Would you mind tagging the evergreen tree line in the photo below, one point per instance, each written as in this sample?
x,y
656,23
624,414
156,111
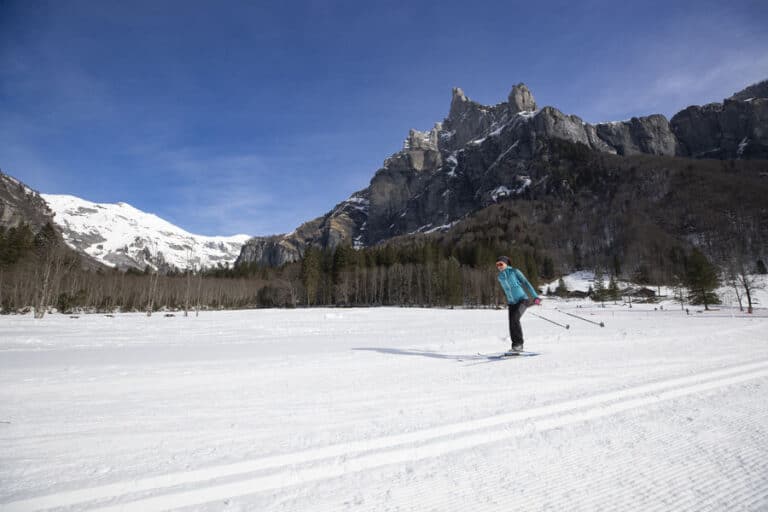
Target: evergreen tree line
x,y
414,273
38,271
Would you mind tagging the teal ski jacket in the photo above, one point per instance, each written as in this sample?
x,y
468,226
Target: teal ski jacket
x,y
512,281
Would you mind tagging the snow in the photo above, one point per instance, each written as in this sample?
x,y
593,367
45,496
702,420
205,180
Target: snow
x,y
354,202
582,280
104,231
451,164
384,409
17,183
525,182
359,200
431,228
577,281
442,227
499,192
357,242
497,131
742,146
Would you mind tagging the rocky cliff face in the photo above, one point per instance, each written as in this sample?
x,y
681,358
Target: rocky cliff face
x,y
754,91
736,128
651,135
19,203
479,155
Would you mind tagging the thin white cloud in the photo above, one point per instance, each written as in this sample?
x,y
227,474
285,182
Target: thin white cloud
x,y
698,60
220,193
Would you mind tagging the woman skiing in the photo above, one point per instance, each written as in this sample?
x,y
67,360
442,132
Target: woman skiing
x,y
512,282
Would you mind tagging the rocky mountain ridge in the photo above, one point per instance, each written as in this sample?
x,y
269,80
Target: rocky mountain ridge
x,y
20,204
480,155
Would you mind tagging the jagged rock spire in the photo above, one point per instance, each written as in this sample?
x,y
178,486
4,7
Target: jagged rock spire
x,y
521,99
459,103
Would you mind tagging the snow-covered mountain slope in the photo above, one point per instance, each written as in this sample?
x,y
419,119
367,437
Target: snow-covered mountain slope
x,y
122,236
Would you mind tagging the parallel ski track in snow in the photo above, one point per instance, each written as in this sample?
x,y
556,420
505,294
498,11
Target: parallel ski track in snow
x,y
337,460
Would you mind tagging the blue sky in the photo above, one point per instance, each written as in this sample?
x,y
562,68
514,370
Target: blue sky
x,y
252,117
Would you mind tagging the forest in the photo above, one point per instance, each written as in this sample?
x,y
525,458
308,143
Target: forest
x,y
39,273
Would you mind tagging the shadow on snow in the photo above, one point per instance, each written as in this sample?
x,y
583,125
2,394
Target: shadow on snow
x,y
422,353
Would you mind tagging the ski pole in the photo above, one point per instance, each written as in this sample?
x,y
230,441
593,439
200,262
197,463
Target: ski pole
x,y
566,326
601,324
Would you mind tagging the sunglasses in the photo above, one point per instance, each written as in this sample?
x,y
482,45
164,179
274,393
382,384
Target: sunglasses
x,y
500,264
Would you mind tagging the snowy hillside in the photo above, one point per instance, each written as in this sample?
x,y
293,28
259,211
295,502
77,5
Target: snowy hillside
x,y
123,236
385,409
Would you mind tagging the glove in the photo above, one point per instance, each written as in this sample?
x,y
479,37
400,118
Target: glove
x,y
537,301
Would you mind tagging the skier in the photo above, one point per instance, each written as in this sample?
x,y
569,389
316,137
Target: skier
x,y
512,281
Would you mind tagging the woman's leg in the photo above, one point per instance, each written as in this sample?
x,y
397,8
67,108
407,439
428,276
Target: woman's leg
x,y
515,329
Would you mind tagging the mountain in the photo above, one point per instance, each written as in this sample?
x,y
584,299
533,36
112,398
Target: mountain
x,y
122,236
480,155
20,204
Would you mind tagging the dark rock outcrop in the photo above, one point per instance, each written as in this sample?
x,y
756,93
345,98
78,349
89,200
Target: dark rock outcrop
x,y
650,135
20,204
732,129
754,91
345,224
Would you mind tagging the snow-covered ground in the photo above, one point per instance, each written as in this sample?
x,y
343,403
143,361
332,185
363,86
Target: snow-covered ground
x,y
583,280
385,409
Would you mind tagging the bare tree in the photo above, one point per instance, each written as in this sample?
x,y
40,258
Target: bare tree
x,y
188,279
748,282
50,261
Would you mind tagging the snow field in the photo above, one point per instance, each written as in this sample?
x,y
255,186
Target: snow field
x,y
384,409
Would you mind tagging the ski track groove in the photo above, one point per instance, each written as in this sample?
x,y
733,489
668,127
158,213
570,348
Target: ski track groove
x,y
621,499
362,455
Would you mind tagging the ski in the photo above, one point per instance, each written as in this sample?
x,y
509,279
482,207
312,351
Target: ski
x,y
506,355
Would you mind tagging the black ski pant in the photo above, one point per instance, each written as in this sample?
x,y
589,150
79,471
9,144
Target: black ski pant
x,y
515,314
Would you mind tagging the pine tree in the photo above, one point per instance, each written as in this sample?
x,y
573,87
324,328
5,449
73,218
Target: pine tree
x,y
562,289
701,280
577,260
598,292
342,259
531,269
613,289
453,283
616,265
310,273
547,268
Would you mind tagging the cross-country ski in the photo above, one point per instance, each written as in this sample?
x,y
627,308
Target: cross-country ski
x,y
510,354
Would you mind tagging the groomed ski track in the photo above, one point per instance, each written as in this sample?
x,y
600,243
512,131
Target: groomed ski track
x,y
692,440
